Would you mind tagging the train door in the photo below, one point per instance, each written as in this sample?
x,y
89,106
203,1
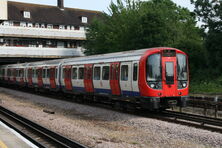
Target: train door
x,y
135,73
34,77
78,79
97,78
30,76
39,77
114,78
53,77
22,79
67,77
105,82
169,76
126,78
17,78
88,72
57,76
14,74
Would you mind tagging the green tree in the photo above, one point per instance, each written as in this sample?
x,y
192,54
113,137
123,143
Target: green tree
x,y
210,13
134,25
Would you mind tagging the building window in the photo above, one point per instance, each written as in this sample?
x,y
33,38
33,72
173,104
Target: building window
x,y
6,23
81,28
37,25
11,23
50,26
23,24
84,19
68,28
42,25
30,25
61,27
26,14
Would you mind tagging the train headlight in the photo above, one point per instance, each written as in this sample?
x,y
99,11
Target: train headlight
x,y
184,84
155,85
152,85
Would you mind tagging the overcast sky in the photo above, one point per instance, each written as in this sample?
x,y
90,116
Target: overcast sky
x,y
100,5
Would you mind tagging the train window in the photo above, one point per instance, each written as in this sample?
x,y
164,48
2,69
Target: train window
x,y
96,75
63,72
182,73
33,73
56,73
47,73
43,73
135,71
105,73
74,73
81,73
169,73
153,68
17,73
124,72
36,73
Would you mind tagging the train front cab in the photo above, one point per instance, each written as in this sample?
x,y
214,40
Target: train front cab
x,y
164,80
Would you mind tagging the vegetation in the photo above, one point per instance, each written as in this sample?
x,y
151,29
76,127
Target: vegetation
x,y
131,25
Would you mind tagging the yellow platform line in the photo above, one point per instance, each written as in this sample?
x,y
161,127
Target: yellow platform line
x,y
2,145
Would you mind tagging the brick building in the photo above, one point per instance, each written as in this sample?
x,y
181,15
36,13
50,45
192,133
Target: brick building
x,y
33,30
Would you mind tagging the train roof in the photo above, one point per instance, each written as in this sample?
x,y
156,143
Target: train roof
x,y
132,55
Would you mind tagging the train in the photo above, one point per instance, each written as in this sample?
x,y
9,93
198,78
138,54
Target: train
x,y
151,78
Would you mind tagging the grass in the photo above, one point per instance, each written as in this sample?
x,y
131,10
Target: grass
x,y
213,86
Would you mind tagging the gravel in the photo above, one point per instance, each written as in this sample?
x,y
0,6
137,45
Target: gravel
x,y
104,128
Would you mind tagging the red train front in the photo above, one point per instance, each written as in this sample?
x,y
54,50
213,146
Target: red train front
x,y
164,81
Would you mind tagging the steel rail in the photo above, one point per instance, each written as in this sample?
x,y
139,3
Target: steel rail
x,y
195,118
32,140
59,140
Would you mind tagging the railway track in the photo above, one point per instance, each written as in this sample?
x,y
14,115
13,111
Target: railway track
x,y
199,121
207,122
51,139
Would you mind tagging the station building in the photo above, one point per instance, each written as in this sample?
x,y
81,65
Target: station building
x,y
42,31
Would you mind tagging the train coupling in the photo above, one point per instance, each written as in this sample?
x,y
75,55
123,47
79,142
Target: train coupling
x,y
172,103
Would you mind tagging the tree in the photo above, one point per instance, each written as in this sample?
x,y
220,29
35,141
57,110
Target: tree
x,y
210,13
134,25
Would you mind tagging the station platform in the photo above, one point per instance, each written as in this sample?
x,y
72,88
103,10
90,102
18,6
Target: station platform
x,y
9,138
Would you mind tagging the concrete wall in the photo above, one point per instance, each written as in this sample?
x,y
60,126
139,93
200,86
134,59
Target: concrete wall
x,y
39,52
3,10
41,33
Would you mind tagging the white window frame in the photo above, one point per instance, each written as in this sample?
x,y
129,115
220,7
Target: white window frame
x,y
26,14
42,25
30,25
68,27
23,24
6,23
11,23
61,27
81,28
37,25
84,19
49,26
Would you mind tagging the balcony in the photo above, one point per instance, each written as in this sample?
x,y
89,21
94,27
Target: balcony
x,y
37,52
29,32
